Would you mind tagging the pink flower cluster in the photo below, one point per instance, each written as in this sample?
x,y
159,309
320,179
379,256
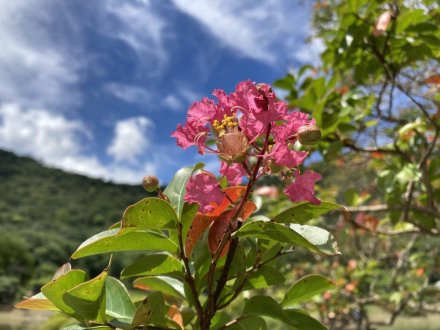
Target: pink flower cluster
x,y
240,123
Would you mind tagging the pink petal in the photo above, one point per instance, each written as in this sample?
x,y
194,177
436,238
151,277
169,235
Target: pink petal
x,y
233,172
284,156
302,189
200,113
191,135
204,189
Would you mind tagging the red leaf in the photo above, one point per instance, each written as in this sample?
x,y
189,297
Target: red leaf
x,y
434,79
200,223
217,231
234,194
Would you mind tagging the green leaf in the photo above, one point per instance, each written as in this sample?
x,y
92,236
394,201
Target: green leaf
x,y
175,191
264,277
153,264
408,173
283,234
319,237
267,306
301,320
37,302
250,322
118,302
152,213
88,299
54,290
305,288
80,327
151,311
165,284
128,239
303,212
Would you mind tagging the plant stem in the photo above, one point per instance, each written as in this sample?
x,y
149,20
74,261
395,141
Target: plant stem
x,y
211,304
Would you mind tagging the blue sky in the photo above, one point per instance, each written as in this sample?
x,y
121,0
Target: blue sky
x,y
97,87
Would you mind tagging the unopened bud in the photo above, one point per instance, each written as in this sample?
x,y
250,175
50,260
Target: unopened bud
x,y
309,134
382,23
150,183
233,147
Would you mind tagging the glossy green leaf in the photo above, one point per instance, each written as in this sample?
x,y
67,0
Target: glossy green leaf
x,y
128,239
303,212
118,302
264,277
150,311
153,264
37,302
55,290
249,322
319,237
175,191
88,299
151,213
305,288
165,284
295,319
299,319
283,234
80,327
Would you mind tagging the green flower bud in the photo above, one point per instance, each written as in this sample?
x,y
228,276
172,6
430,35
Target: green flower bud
x,y
150,183
309,134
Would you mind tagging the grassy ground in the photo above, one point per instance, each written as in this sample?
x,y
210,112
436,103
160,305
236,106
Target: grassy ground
x,y
430,322
17,319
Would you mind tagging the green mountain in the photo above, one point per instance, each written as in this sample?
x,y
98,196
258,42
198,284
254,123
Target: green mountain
x,y
45,214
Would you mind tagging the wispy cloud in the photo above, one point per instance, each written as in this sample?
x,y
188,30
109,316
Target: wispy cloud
x,y
36,67
138,24
129,93
267,31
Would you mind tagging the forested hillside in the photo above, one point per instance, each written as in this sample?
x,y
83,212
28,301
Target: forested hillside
x,y
44,214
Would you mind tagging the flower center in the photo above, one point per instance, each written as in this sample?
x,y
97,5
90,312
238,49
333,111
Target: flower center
x,y
226,125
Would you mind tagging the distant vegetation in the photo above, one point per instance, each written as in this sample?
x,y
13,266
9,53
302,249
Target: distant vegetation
x,y
44,214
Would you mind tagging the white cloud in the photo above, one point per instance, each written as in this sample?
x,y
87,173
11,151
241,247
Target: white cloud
x,y
138,24
130,139
37,68
173,102
267,31
58,141
129,93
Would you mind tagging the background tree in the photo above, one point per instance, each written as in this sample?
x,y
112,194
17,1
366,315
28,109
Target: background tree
x,y
376,98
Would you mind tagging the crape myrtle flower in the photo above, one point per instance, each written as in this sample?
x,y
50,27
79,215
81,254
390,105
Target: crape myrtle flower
x,y
204,189
302,189
235,127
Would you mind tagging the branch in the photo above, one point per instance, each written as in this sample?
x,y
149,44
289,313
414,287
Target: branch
x,y
188,276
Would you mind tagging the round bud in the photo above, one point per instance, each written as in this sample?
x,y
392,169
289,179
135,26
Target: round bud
x,y
233,147
309,134
150,183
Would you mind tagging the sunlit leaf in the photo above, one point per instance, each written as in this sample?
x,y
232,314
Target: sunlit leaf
x,y
166,285
151,213
128,239
303,212
305,288
159,263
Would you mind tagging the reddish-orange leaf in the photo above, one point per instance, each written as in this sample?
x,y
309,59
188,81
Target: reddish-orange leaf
x,y
234,194
434,79
248,208
200,223
37,302
217,231
174,314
